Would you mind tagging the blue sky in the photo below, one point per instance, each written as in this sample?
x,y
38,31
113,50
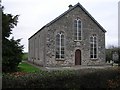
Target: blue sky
x,y
36,13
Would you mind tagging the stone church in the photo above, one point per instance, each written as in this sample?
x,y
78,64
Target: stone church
x,y
73,38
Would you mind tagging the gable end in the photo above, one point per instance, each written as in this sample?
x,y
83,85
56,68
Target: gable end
x,y
70,9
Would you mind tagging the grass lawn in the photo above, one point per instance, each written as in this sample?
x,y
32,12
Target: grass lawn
x,y
25,67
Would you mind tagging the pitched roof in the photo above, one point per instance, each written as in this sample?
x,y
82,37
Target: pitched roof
x,y
77,5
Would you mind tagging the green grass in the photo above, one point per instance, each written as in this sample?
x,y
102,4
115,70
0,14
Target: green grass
x,y
25,67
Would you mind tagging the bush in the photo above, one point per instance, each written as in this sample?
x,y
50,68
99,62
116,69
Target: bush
x,y
11,49
12,55
109,53
64,79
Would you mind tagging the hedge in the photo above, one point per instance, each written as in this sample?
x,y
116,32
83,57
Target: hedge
x,y
65,79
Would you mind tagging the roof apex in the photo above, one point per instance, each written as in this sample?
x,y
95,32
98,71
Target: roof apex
x,y
78,4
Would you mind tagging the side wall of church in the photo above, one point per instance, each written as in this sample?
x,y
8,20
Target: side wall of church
x,y
37,48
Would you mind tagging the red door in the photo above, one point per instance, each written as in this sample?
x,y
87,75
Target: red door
x,y
77,57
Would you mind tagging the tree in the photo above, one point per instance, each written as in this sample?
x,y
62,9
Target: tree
x,y
110,51
11,49
108,55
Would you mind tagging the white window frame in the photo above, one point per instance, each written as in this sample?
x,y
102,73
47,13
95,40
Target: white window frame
x,y
60,46
77,31
93,43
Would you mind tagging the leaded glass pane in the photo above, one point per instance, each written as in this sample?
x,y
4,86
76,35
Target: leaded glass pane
x,y
95,56
91,39
62,49
62,55
75,23
57,56
79,37
62,52
62,42
91,56
79,23
95,51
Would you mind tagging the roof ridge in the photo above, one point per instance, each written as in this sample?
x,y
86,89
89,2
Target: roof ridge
x,y
78,4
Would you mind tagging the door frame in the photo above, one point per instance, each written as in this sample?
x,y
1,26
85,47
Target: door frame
x,y
79,62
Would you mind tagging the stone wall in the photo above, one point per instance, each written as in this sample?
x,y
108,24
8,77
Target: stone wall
x,y
37,48
65,24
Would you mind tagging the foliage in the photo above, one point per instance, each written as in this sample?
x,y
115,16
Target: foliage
x,y
24,67
110,51
25,56
8,23
108,55
11,49
78,79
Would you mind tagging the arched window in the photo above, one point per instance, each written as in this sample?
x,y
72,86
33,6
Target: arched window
x,y
93,47
60,47
77,29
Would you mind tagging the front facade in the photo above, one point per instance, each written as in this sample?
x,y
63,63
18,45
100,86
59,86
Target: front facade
x,y
73,38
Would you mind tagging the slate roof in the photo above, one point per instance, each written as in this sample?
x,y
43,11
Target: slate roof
x,y
77,5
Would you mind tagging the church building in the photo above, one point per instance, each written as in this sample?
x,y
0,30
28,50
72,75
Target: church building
x,y
73,38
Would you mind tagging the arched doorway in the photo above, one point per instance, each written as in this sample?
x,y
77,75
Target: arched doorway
x,y
78,57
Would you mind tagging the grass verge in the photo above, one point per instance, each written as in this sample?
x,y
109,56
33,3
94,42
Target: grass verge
x,y
25,67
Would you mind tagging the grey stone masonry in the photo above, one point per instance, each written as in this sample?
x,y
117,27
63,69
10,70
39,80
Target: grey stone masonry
x,y
42,45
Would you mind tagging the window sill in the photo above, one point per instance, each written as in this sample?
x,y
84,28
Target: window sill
x,y
77,40
60,59
94,59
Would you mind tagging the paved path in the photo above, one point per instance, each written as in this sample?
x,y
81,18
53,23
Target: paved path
x,y
77,67
69,68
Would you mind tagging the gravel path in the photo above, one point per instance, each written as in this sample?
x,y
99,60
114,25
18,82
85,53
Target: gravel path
x,y
69,68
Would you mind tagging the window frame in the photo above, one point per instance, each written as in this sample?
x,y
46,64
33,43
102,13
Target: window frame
x,y
77,30
94,44
59,46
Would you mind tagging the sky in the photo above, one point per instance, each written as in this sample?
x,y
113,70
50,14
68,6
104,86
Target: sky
x,y
34,14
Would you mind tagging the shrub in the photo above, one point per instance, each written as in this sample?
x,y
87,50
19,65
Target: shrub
x,y
89,78
11,49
